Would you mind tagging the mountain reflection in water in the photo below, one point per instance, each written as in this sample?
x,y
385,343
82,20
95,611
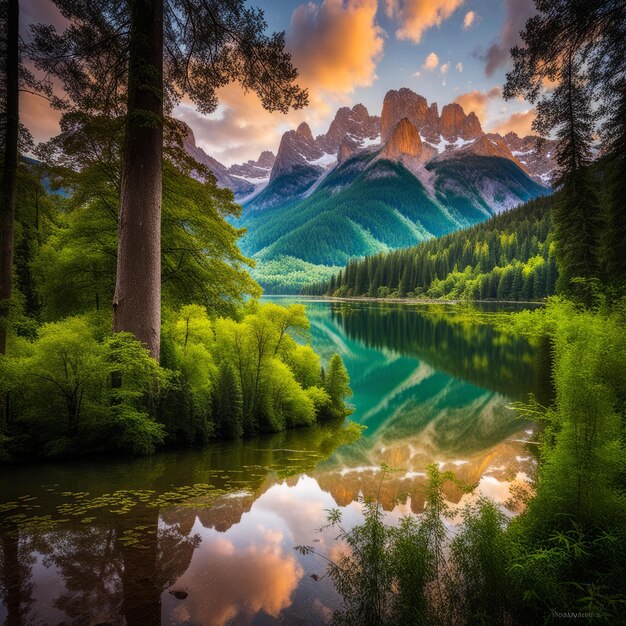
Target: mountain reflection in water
x,y
122,541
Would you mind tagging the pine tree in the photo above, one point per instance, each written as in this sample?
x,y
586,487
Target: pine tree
x,y
228,402
337,383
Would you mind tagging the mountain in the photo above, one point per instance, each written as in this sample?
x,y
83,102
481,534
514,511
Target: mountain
x,y
537,160
243,179
372,184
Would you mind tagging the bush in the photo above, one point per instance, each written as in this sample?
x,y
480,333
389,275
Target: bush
x,y
61,397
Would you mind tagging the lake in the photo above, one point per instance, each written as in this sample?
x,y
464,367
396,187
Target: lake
x,y
207,536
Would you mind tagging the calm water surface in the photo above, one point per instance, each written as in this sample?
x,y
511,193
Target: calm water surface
x,y
116,542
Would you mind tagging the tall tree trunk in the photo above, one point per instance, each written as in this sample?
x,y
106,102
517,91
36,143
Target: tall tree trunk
x,y
9,170
137,301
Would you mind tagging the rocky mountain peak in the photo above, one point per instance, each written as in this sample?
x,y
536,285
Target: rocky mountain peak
x,y
347,148
305,131
355,122
453,123
406,103
255,171
297,148
404,139
266,159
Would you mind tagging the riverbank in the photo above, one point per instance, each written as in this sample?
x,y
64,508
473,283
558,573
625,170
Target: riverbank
x,y
403,300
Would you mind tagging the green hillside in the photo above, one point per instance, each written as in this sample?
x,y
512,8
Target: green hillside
x,y
508,257
364,208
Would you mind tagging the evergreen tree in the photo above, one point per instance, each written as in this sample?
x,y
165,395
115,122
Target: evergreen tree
x,y
579,47
228,402
337,384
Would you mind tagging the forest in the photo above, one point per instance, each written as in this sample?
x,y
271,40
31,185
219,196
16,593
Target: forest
x,y
187,353
511,256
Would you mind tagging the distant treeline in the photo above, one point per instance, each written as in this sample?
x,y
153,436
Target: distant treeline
x,y
509,257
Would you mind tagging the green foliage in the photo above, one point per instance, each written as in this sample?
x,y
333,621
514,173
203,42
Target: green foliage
x,y
78,389
75,269
570,542
479,584
337,383
228,402
61,400
509,257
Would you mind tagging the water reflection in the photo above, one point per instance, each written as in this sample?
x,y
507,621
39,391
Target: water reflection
x,y
206,536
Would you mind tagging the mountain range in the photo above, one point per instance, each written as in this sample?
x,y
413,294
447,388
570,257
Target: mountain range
x,y
374,183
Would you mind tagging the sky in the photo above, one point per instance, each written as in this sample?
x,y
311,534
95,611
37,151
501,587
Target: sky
x,y
349,52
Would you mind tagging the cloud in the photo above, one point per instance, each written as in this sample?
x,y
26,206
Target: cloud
x,y
417,74
335,45
478,101
36,114
519,123
444,68
416,16
459,67
517,13
469,19
431,62
241,128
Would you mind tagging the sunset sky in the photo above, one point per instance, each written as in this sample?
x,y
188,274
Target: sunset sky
x,y
350,51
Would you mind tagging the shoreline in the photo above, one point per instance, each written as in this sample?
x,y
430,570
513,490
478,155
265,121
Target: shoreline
x,y
403,300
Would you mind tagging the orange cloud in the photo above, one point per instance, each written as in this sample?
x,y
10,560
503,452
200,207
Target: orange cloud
x,y
38,117
431,62
469,19
239,130
478,101
335,45
417,16
520,123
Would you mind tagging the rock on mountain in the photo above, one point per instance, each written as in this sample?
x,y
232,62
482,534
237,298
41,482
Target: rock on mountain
x,y
406,103
453,123
239,186
258,170
302,160
404,139
297,150
356,124
537,158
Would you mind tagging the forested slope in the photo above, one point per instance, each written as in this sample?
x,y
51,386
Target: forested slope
x,y
509,257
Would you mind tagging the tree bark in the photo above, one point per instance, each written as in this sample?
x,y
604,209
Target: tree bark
x,y
9,170
137,300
